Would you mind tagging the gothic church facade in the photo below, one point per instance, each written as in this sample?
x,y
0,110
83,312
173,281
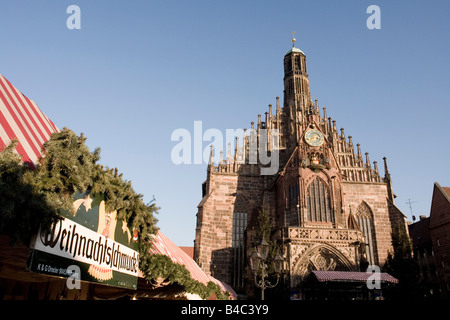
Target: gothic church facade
x,y
330,208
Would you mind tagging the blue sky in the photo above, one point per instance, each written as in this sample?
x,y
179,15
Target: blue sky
x,y
138,70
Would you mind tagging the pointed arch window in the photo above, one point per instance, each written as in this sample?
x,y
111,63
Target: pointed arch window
x,y
364,217
318,202
298,65
238,243
293,195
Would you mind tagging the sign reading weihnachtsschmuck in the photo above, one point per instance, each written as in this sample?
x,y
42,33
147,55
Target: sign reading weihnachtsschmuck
x,y
103,248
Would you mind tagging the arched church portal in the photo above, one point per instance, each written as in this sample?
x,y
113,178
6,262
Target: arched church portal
x,y
323,257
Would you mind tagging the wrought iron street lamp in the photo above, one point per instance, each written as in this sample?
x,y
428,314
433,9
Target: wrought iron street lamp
x,y
259,266
359,252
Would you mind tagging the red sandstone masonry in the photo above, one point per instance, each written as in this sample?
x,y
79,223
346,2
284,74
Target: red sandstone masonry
x,y
216,219
375,196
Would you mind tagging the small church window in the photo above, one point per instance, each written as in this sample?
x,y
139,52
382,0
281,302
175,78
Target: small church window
x,y
297,63
293,195
287,65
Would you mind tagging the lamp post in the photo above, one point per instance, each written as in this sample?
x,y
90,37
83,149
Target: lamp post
x,y
356,244
358,253
258,266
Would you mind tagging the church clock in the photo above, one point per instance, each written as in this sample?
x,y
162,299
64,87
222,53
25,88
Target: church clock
x,y
314,137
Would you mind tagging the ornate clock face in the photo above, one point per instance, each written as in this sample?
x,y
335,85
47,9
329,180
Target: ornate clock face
x,y
314,137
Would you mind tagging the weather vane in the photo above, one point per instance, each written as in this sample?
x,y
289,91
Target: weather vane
x,y
293,39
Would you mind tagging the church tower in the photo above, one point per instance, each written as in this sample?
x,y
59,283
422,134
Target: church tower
x,y
297,97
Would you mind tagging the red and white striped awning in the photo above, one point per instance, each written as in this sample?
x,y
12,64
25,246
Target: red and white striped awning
x,y
22,119
163,245
353,276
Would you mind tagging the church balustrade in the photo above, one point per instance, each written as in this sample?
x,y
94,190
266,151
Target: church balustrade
x,y
323,235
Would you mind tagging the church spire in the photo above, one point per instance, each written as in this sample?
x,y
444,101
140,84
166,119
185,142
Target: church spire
x,y
388,181
296,83
297,98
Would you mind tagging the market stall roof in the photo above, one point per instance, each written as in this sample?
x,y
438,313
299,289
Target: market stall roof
x,y
22,119
163,245
352,276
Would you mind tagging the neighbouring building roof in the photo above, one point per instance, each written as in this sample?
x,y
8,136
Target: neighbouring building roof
x,y
440,206
420,232
447,190
189,251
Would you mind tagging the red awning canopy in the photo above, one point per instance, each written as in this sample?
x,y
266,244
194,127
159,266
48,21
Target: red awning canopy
x,y
21,119
163,245
352,276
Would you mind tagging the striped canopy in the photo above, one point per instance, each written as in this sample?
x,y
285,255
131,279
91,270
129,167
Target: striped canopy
x,y
162,245
352,276
22,119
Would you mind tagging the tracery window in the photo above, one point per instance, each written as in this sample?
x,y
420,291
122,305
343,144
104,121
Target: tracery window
x,y
238,245
287,65
293,195
298,65
364,218
318,202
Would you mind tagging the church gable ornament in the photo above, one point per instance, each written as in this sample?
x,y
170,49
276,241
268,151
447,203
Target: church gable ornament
x,y
315,153
314,137
323,262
